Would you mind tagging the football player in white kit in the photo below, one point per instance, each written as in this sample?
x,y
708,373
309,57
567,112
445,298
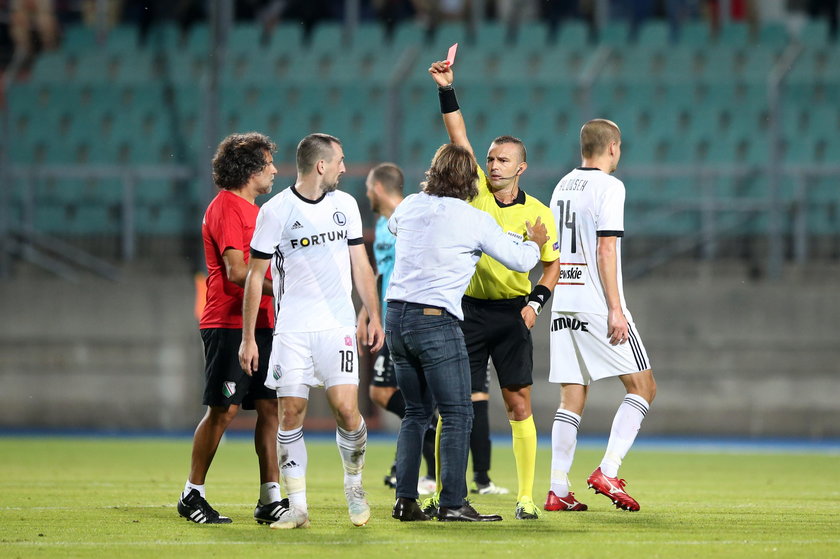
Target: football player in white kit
x,y
592,333
311,234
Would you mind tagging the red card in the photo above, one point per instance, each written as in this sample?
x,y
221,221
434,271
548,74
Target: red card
x,y
450,57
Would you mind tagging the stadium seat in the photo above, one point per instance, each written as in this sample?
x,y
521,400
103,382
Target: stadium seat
x,y
814,32
285,38
773,35
655,33
733,34
531,37
123,40
695,34
79,38
614,33
575,34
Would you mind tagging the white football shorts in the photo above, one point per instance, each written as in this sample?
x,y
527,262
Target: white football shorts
x,y
581,351
301,360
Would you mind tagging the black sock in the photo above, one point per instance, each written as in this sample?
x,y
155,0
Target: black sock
x,y
429,451
480,442
396,404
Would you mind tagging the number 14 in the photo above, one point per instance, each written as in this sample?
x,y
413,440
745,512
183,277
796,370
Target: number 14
x,y
567,219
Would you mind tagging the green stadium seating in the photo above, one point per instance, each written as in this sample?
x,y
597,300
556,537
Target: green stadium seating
x,y
702,101
695,34
615,33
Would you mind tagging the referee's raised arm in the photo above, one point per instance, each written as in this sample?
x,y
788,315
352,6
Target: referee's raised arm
x,y
443,75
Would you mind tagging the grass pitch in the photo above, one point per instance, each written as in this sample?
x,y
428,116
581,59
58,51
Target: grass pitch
x,y
78,497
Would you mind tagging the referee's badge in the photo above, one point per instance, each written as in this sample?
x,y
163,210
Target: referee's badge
x,y
229,389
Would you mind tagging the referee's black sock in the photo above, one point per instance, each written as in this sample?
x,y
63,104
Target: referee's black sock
x,y
396,404
480,442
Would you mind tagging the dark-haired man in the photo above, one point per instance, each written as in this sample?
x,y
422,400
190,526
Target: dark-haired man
x,y
243,168
500,307
311,234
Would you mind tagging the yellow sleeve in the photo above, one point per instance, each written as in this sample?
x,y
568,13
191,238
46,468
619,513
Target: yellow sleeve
x,y
481,184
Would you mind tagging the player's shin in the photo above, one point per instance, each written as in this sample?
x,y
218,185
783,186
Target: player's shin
x,y
525,453
625,427
563,443
292,455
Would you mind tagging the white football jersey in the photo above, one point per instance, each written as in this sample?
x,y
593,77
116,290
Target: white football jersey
x,y
587,204
310,260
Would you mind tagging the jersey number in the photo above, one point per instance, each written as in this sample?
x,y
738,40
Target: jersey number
x,y
346,360
568,219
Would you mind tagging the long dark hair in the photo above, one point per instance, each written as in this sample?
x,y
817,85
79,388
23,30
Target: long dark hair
x,y
239,157
453,173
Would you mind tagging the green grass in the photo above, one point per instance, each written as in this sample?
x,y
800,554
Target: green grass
x,y
68,497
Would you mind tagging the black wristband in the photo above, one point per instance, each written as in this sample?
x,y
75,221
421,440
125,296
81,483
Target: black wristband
x,y
540,295
448,100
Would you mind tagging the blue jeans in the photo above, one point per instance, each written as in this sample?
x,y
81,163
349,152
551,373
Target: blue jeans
x,y
432,367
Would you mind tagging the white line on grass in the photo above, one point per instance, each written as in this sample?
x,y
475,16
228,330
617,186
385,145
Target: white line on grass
x,y
392,542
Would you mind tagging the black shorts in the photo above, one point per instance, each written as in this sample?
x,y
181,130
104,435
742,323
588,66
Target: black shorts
x,y
495,330
383,369
225,382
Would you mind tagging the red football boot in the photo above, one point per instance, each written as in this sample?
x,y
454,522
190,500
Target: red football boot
x,y
568,503
613,488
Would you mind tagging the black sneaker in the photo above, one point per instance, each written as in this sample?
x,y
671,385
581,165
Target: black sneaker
x,y
391,477
194,508
266,514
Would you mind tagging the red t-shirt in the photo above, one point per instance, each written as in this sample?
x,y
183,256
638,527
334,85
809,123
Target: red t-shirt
x,y
228,223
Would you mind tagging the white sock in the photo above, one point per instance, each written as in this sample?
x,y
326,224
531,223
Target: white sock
x,y
563,443
351,447
625,426
291,453
190,486
269,492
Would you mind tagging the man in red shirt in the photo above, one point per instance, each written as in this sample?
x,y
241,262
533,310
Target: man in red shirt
x,y
243,169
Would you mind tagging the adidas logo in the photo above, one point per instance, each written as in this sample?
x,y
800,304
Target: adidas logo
x,y
297,225
289,464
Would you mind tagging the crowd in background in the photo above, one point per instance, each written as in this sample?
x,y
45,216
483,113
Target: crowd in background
x,y
30,26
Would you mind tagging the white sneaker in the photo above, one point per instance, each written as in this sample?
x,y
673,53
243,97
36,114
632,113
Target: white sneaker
x,y
426,485
489,489
357,505
292,517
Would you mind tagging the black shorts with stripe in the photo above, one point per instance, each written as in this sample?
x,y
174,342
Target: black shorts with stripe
x,y
225,383
494,329
383,369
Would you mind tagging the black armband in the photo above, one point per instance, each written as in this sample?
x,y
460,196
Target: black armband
x,y
539,296
448,100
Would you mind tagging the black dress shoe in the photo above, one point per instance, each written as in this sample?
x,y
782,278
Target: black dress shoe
x,y
407,510
465,513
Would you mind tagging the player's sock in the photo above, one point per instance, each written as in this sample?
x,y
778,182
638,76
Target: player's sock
x,y
269,492
563,442
525,454
625,427
190,486
351,447
291,453
429,451
396,404
480,442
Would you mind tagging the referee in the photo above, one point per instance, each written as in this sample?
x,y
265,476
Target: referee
x,y
500,306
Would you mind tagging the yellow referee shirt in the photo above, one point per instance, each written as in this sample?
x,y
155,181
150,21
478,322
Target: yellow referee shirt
x,y
492,280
